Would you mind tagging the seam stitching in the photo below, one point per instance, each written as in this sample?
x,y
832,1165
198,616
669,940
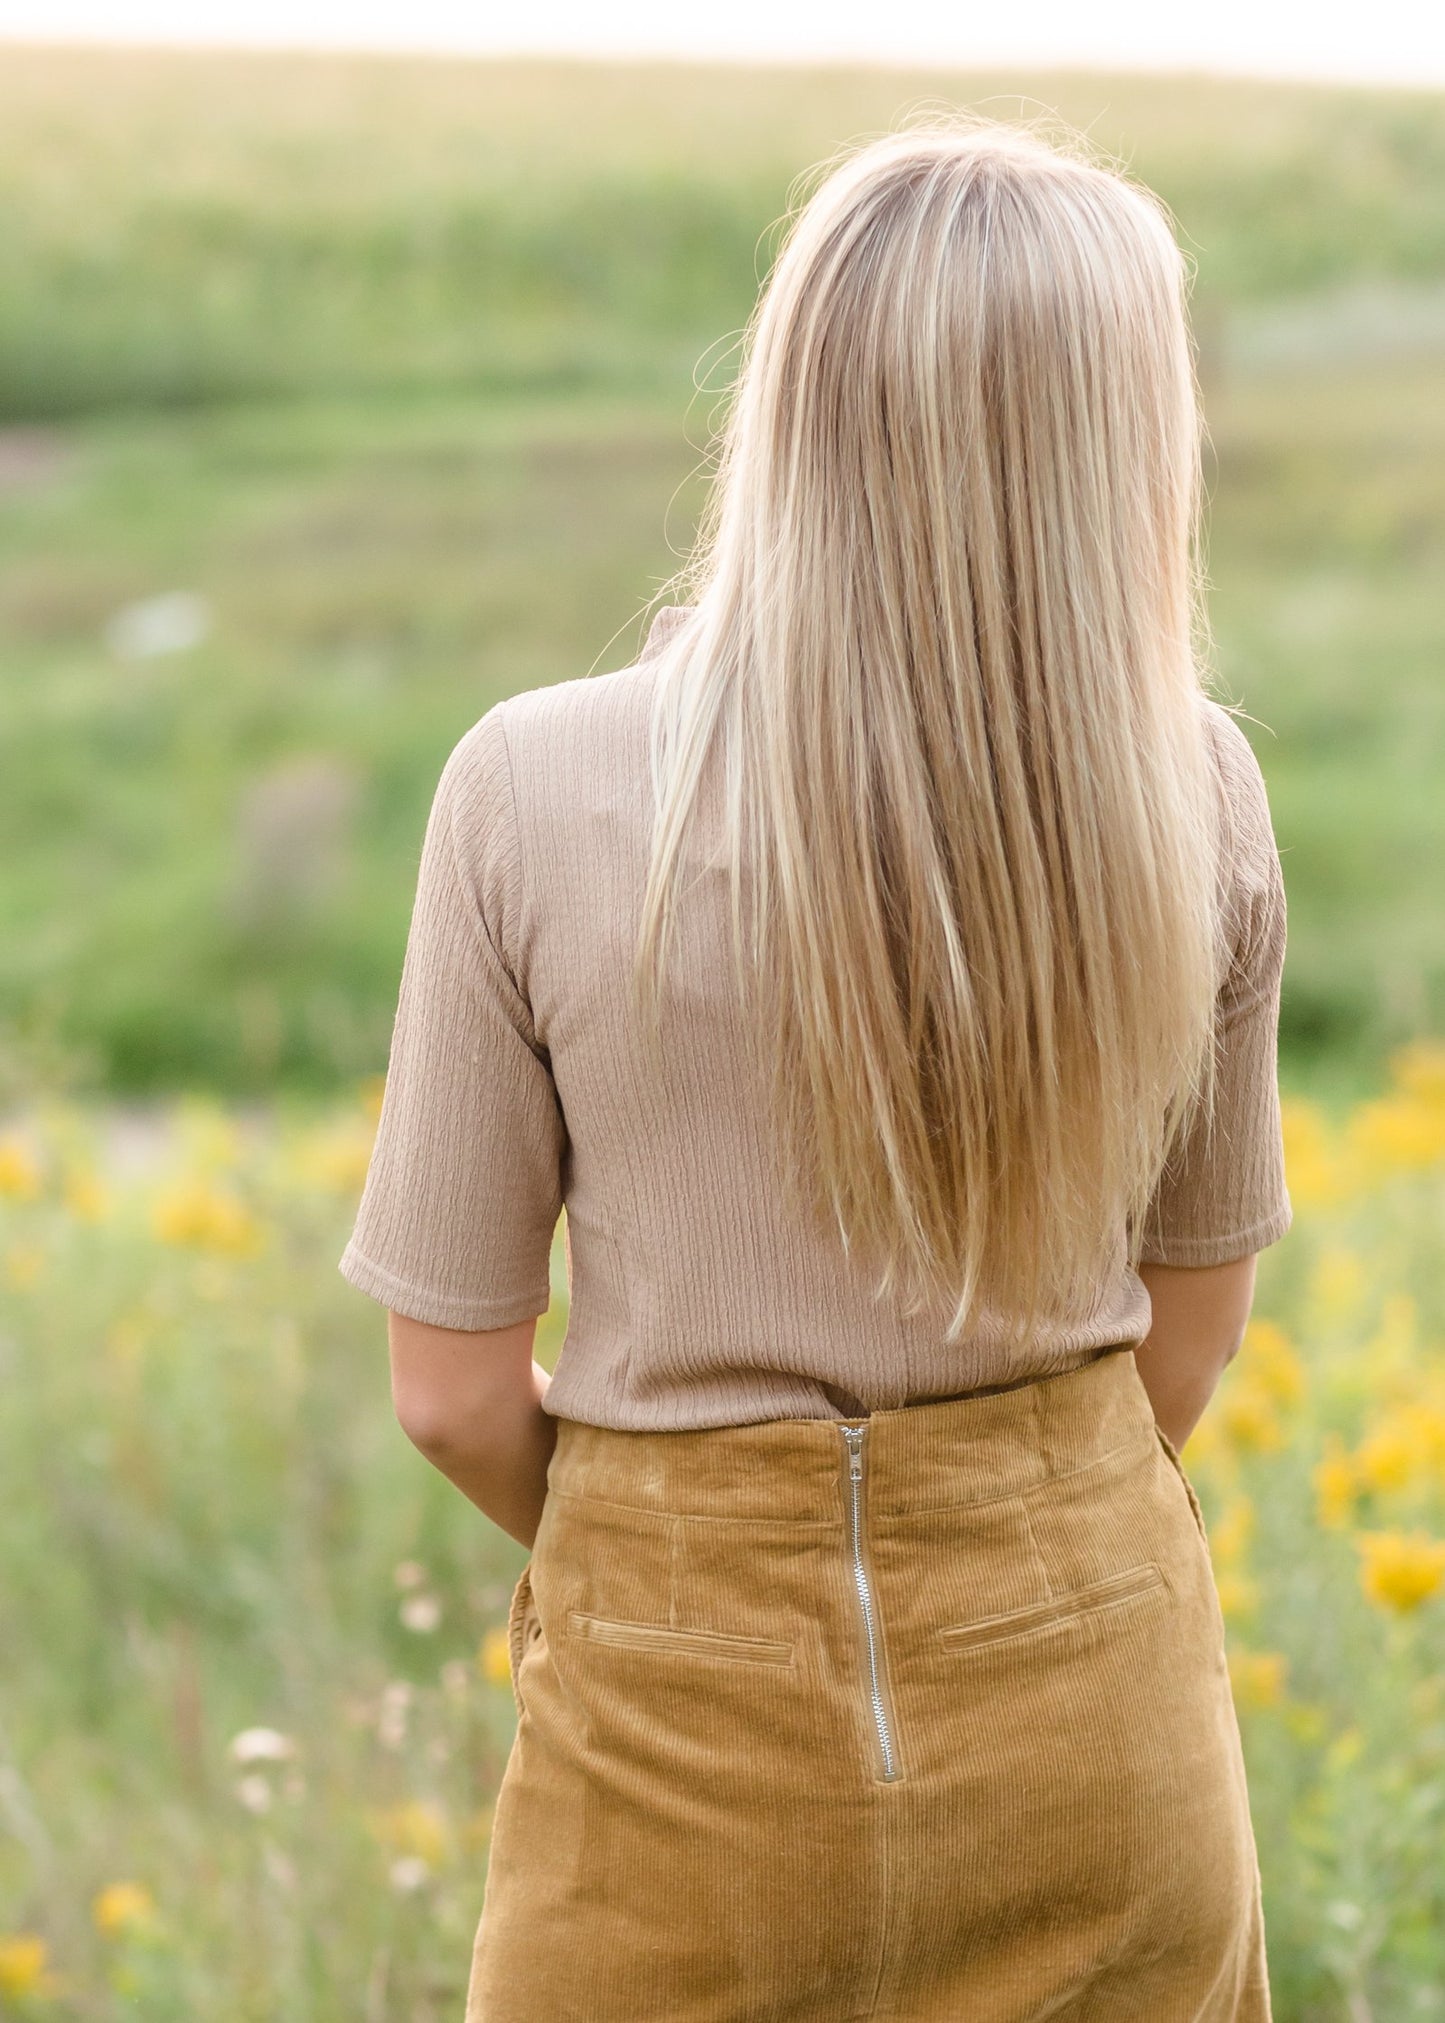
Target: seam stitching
x,y
717,1644
1074,1602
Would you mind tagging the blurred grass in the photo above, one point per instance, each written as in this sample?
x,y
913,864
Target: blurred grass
x,y
256,1686
214,1528
376,577
185,226
393,363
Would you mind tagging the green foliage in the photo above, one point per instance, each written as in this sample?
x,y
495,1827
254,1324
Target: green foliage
x,y
393,364
214,1527
182,227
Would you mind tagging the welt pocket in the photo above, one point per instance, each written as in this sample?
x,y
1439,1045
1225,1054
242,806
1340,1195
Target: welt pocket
x,y
1110,1593
681,1642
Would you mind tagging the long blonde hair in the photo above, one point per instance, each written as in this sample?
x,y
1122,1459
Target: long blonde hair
x,y
945,627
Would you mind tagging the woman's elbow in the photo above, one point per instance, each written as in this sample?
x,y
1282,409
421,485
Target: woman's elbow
x,y
427,1420
450,1386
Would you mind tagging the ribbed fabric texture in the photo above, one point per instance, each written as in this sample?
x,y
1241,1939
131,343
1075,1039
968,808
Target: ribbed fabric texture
x,y
517,1082
953,1744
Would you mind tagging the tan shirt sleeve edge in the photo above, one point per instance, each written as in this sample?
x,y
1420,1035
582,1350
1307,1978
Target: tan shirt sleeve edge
x,y
1207,1250
438,1309
463,1188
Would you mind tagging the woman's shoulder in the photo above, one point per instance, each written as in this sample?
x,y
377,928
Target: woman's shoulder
x,y
1246,795
534,765
1258,909
544,725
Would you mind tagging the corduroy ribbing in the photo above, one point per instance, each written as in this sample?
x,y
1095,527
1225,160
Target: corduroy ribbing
x,y
955,1741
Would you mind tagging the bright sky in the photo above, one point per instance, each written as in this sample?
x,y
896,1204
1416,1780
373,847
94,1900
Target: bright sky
x,y
1384,41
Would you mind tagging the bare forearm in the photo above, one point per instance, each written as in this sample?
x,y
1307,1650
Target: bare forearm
x,y
1180,1384
1199,1318
500,1464
471,1402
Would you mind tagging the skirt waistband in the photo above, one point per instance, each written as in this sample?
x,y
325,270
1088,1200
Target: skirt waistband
x,y
952,1451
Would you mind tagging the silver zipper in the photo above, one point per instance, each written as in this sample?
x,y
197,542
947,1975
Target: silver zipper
x,y
853,1439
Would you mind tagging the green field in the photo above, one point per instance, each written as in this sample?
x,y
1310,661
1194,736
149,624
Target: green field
x,y
213,1527
394,364
400,376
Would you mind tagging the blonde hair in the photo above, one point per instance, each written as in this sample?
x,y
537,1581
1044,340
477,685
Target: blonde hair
x,y
945,632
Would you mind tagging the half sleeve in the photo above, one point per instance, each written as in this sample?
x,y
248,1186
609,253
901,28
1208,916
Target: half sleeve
x,y
463,1189
1223,1194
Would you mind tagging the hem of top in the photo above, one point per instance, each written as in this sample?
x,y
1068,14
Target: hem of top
x,y
436,1309
1206,1250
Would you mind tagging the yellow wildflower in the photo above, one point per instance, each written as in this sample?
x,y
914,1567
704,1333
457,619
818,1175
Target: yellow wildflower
x,y
23,1964
336,1158
1398,1451
19,1169
1247,1412
203,1217
86,1196
1334,1485
1396,1134
1400,1570
1232,1530
1313,1166
1418,1070
1430,1424
1205,1451
494,1660
1238,1593
121,1907
415,1828
1272,1362
1258,1677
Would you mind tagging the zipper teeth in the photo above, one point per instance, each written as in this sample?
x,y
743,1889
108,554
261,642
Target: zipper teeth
x,y
853,1436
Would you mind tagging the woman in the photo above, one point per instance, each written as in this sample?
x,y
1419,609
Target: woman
x,y
884,971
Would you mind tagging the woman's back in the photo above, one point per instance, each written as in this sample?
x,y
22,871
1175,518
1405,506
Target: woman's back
x,y
519,1082
903,920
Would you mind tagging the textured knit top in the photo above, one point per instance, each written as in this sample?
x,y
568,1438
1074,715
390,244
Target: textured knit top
x,y
517,1085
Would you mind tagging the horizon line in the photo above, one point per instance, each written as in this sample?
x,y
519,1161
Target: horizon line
x,y
439,51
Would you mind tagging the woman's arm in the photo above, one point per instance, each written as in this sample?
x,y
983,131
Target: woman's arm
x,y
471,1402
1200,1314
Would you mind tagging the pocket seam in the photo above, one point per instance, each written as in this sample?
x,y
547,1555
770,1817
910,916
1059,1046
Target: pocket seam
x,y
1131,1585
661,1637
1171,1454
522,1624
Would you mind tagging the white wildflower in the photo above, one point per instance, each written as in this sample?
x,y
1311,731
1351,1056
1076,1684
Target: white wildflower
x,y
168,624
254,1792
421,1613
262,1745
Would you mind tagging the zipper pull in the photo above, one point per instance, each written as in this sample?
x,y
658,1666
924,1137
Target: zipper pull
x,y
854,1436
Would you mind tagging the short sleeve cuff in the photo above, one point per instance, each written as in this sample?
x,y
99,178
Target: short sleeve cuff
x,y
1205,1250
438,1309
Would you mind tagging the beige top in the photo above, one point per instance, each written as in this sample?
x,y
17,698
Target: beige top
x,y
517,1084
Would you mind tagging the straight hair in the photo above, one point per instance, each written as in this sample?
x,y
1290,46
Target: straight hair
x,y
944,633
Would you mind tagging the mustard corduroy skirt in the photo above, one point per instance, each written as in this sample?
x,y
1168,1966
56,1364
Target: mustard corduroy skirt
x,y
919,1718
